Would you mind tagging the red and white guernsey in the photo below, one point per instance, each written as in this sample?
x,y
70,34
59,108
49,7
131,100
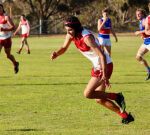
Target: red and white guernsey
x,y
24,26
87,51
148,18
4,24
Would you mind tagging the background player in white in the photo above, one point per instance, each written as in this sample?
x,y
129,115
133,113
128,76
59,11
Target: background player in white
x,y
102,69
6,26
25,28
104,29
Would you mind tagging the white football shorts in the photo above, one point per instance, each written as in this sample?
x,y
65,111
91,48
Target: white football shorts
x,y
104,41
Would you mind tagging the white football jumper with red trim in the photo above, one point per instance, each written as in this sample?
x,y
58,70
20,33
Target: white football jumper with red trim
x,y
24,27
4,24
88,52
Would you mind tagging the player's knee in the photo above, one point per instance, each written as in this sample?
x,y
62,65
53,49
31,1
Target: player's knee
x,y
7,55
87,94
138,58
100,101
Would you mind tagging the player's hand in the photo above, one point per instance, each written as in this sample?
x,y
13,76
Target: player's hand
x,y
137,33
107,84
105,19
54,55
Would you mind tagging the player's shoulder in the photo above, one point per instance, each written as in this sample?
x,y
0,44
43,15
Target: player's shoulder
x,y
6,17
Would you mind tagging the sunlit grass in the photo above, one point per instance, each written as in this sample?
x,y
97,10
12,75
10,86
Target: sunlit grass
x,y
46,97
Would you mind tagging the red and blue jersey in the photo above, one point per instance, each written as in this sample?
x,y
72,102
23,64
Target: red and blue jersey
x,y
105,31
144,36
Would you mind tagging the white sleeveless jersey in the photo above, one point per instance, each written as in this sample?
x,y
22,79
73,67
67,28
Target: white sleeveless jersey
x,y
88,52
24,28
4,24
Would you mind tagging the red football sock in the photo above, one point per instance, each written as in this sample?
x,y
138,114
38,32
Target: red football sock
x,y
112,96
123,115
20,49
14,64
28,50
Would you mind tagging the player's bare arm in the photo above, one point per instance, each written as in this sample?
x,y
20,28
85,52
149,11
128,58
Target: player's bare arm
x,y
113,33
101,24
28,25
10,23
137,33
17,30
89,40
63,48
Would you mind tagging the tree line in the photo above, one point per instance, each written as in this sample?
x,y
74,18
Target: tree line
x,y
50,13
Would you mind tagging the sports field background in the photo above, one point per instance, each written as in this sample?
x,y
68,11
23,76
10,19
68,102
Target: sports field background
x,y
46,97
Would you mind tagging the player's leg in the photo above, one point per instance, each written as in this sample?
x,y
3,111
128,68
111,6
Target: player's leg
x,y
126,118
108,46
27,45
1,48
101,41
106,102
96,89
92,92
143,50
108,50
12,59
21,45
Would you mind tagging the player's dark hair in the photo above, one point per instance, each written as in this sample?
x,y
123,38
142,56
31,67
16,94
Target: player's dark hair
x,y
105,10
2,8
142,11
23,15
74,23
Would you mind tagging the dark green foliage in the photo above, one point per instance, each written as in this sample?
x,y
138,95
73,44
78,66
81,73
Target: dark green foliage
x,y
137,3
125,7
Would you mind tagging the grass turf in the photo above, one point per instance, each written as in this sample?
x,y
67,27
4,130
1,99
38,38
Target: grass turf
x,y
46,97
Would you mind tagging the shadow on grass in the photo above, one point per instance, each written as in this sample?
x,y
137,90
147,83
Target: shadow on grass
x,y
25,130
130,82
22,84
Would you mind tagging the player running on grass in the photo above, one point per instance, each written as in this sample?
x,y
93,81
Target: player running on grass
x,y
25,27
104,28
6,26
145,47
102,69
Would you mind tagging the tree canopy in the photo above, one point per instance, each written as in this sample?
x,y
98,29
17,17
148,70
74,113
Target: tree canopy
x,y
51,12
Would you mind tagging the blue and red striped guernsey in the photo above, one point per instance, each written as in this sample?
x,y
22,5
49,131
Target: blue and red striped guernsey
x,y
105,31
142,27
144,36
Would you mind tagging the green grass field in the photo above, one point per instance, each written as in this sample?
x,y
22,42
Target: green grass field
x,y
46,97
